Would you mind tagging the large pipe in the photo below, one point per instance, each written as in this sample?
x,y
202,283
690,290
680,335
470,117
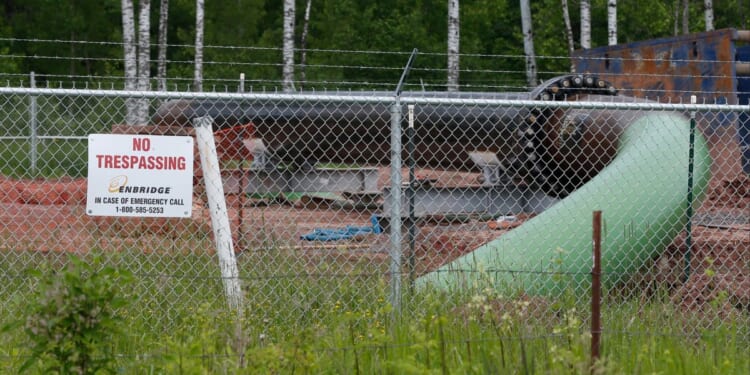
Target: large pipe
x,y
355,132
526,141
642,194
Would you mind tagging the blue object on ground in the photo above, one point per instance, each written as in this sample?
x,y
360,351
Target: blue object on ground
x,y
342,233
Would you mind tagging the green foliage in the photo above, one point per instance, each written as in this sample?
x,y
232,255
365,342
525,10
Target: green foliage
x,y
491,39
71,319
200,338
55,158
339,325
51,20
58,116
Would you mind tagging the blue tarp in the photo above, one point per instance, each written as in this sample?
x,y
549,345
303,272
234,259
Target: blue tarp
x,y
335,234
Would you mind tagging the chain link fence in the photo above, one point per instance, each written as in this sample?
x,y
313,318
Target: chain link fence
x,y
337,199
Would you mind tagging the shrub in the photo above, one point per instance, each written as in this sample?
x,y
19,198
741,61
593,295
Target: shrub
x,y
72,318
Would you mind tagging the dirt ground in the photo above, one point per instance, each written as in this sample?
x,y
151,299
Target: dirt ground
x,y
49,216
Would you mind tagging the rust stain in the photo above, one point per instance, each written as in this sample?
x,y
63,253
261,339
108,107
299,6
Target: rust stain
x,y
668,69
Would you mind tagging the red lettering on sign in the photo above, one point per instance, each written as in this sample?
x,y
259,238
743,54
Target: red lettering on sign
x,y
141,144
151,162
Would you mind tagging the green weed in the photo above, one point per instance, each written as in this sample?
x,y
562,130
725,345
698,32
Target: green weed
x,y
71,319
295,322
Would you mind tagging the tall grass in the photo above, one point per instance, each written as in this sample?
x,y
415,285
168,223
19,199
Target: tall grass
x,y
177,322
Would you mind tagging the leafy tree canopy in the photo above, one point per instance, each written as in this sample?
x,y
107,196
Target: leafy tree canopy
x,y
361,41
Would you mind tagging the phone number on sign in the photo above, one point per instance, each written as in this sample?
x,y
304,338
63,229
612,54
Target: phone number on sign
x,y
139,210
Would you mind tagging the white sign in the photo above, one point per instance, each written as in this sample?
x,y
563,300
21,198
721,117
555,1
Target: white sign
x,y
140,175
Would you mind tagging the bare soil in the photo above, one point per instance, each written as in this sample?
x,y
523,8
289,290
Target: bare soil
x,y
48,216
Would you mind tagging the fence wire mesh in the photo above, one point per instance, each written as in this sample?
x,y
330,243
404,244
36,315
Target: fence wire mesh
x,y
496,194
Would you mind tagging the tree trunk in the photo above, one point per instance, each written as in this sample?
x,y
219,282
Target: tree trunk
x,y
528,43
685,17
568,33
144,56
676,30
585,24
130,60
454,30
303,44
288,47
161,67
708,8
199,25
612,22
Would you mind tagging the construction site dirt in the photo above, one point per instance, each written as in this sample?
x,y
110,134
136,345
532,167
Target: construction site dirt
x,y
47,216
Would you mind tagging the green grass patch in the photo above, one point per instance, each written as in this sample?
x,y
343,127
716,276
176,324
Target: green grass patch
x,y
332,315
54,158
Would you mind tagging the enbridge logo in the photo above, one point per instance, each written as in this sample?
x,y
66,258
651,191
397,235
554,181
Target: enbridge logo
x,y
117,182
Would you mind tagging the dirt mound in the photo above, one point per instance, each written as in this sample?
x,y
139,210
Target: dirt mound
x,y
734,193
65,191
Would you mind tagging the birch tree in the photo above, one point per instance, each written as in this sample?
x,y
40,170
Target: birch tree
x,y
685,16
130,60
288,46
528,43
708,12
612,22
585,24
453,44
199,25
161,67
303,43
568,32
144,56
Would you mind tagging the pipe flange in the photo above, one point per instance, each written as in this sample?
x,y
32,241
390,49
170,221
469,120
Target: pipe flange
x,y
526,167
560,88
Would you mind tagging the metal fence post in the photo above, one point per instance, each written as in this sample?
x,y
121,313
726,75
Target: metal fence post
x,y
689,213
395,219
596,290
412,223
33,140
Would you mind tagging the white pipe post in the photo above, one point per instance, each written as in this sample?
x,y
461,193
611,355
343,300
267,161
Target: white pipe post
x,y
218,207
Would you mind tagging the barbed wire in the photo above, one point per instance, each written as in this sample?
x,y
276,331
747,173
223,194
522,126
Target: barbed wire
x,y
227,85
364,52
473,77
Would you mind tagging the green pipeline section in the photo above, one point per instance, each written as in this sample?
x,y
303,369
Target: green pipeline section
x,y
642,194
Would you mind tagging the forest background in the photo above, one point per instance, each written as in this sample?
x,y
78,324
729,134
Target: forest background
x,y
352,43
